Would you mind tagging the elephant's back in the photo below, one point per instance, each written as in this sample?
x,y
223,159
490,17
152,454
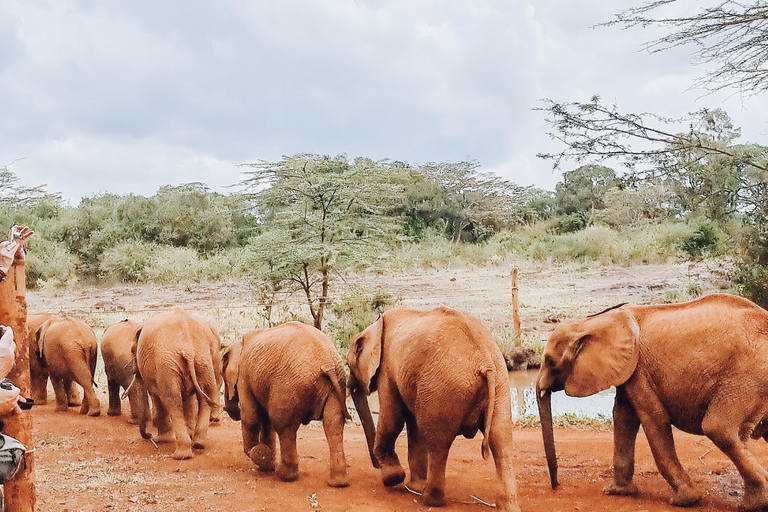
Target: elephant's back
x,y
118,338
70,331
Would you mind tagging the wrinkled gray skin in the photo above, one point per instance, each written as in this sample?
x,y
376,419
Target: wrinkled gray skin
x,y
278,379
120,368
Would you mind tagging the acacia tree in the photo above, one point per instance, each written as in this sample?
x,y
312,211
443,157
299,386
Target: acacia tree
x,y
320,215
730,35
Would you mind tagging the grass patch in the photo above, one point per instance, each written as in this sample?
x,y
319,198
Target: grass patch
x,y
573,421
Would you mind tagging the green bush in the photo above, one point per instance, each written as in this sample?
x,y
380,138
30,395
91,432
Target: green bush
x,y
705,238
751,281
571,223
126,262
355,310
51,266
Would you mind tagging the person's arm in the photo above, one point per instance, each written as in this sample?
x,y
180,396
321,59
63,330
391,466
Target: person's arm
x,y
9,250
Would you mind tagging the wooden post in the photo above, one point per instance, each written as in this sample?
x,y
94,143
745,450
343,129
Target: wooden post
x,y
20,490
515,307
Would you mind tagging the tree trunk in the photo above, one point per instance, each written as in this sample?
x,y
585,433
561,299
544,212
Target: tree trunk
x,y
20,490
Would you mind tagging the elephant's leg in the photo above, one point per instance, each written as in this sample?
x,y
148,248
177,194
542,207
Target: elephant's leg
x,y
658,430
73,394
434,492
135,401
201,427
179,426
288,469
626,424
253,423
417,456
39,383
722,424
61,393
114,398
391,423
84,378
162,422
333,424
190,413
500,443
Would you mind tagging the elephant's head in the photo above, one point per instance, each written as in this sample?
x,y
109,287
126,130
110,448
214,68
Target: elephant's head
x,y
364,358
230,363
584,357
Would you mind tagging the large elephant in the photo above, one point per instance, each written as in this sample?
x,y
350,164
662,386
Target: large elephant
x,y
119,365
176,362
440,373
64,349
701,366
278,379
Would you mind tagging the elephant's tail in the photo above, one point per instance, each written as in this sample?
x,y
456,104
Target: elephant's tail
x,y
193,374
333,376
490,378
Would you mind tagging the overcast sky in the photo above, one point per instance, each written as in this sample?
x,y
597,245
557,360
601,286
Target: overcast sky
x,y
126,96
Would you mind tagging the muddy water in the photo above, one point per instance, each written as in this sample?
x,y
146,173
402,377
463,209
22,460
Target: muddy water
x,y
522,386
523,390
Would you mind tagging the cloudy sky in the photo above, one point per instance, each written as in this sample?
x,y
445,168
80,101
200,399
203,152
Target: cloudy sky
x,y
115,96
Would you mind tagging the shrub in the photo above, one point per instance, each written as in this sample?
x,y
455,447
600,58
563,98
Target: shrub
x,y
50,265
751,281
127,261
355,310
705,237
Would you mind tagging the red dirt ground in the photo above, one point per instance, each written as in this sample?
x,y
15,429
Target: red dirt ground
x,y
102,464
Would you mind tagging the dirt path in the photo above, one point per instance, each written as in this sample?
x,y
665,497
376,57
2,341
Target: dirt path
x,y
102,464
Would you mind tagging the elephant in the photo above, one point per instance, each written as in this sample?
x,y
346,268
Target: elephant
x,y
441,374
176,361
119,365
65,349
701,366
278,379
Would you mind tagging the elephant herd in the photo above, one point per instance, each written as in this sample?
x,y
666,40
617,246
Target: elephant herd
x,y
701,366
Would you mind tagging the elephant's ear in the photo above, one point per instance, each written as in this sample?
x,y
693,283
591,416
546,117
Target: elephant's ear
x,y
364,355
607,353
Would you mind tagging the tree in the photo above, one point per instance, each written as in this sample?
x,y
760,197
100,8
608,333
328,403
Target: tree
x,y
731,35
320,215
583,190
13,194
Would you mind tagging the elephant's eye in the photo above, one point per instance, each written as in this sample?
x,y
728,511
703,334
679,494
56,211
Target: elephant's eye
x,y
551,363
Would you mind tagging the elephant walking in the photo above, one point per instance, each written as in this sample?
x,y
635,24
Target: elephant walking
x,y
119,365
701,366
176,362
442,374
64,349
278,379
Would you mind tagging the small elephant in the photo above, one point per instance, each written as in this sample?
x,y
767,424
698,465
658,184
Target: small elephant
x,y
442,374
176,360
65,349
119,365
278,379
701,366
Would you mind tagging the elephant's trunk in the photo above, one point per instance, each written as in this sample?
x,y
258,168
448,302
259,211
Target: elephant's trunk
x,y
364,411
145,414
232,405
544,399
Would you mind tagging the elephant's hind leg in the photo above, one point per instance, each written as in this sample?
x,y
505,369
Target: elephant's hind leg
x,y
60,391
722,428
73,394
500,443
114,398
333,424
417,456
201,426
84,378
288,469
258,436
434,492
179,425
626,425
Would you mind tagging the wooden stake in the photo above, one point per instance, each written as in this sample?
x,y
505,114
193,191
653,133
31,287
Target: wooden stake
x,y
516,307
20,490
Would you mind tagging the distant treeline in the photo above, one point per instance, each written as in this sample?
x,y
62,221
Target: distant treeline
x,y
320,207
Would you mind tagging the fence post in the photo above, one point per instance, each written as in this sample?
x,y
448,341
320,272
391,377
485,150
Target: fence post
x,y
19,490
515,307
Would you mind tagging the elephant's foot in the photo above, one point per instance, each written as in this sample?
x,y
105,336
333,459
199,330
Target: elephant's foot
x,y
686,496
74,402
434,497
167,437
416,484
198,443
94,411
133,421
339,480
287,472
263,457
182,453
61,407
506,505
615,489
755,498
113,412
392,475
